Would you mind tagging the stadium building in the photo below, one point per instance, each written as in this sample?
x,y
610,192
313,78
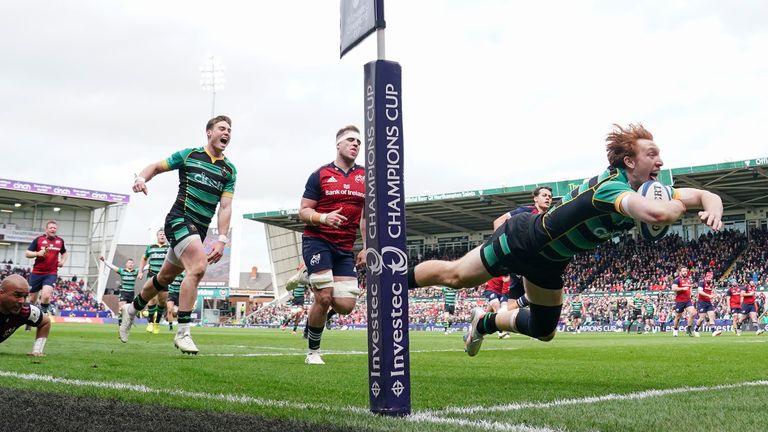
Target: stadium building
x,y
450,224
89,221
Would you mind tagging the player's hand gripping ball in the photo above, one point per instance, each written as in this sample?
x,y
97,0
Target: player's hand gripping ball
x,y
657,191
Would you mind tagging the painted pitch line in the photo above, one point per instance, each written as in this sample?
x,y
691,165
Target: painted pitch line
x,y
248,400
482,424
138,388
304,352
591,399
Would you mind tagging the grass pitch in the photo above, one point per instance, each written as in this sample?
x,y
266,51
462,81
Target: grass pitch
x,y
584,382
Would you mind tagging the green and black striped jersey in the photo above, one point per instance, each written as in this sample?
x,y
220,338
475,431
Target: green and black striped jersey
x,y
299,291
450,296
649,308
576,306
638,303
127,278
175,286
203,180
155,255
587,216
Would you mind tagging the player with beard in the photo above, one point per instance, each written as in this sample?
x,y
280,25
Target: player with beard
x,y
332,209
683,306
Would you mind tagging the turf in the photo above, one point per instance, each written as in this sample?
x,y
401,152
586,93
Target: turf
x,y
264,374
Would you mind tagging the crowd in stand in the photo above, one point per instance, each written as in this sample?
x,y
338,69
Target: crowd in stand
x,y
605,276
68,294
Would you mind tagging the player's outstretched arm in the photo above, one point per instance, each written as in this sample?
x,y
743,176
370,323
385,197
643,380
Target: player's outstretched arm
x,y
712,205
151,170
111,266
652,211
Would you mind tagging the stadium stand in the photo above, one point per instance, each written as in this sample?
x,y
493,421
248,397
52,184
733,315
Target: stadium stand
x,y
607,275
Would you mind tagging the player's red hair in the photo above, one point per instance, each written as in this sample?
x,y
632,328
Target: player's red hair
x,y
622,142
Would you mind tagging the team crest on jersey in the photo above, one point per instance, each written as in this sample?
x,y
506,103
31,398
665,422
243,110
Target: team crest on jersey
x,y
315,259
225,171
332,180
360,178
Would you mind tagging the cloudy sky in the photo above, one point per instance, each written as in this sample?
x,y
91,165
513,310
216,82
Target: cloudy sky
x,y
494,92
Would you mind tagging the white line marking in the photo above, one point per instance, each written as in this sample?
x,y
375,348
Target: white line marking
x,y
304,352
592,399
195,395
482,424
247,400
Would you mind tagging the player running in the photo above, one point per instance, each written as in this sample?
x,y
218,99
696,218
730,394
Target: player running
x,y
154,256
704,304
206,180
127,282
682,287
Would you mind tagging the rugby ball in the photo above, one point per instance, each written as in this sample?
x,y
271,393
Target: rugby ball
x,y
657,191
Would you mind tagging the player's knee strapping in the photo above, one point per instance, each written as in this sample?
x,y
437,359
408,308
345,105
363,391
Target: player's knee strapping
x,y
538,321
321,280
158,286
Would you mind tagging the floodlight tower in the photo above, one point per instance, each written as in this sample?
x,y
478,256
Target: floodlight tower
x,y
212,79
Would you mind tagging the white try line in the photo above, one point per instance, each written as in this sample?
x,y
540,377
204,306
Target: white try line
x,y
248,400
303,352
591,399
138,388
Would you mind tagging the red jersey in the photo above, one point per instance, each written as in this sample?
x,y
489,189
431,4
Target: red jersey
x,y
498,285
749,289
708,288
48,264
735,294
27,315
332,188
681,282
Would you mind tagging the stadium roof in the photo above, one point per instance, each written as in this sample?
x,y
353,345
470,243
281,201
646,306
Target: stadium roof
x,y
742,184
23,192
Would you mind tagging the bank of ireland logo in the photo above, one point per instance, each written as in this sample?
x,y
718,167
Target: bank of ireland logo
x,y
315,259
376,261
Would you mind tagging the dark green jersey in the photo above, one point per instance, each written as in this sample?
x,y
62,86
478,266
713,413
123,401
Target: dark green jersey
x,y
587,216
175,286
649,308
128,278
203,180
450,296
299,291
638,302
576,306
615,305
155,255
